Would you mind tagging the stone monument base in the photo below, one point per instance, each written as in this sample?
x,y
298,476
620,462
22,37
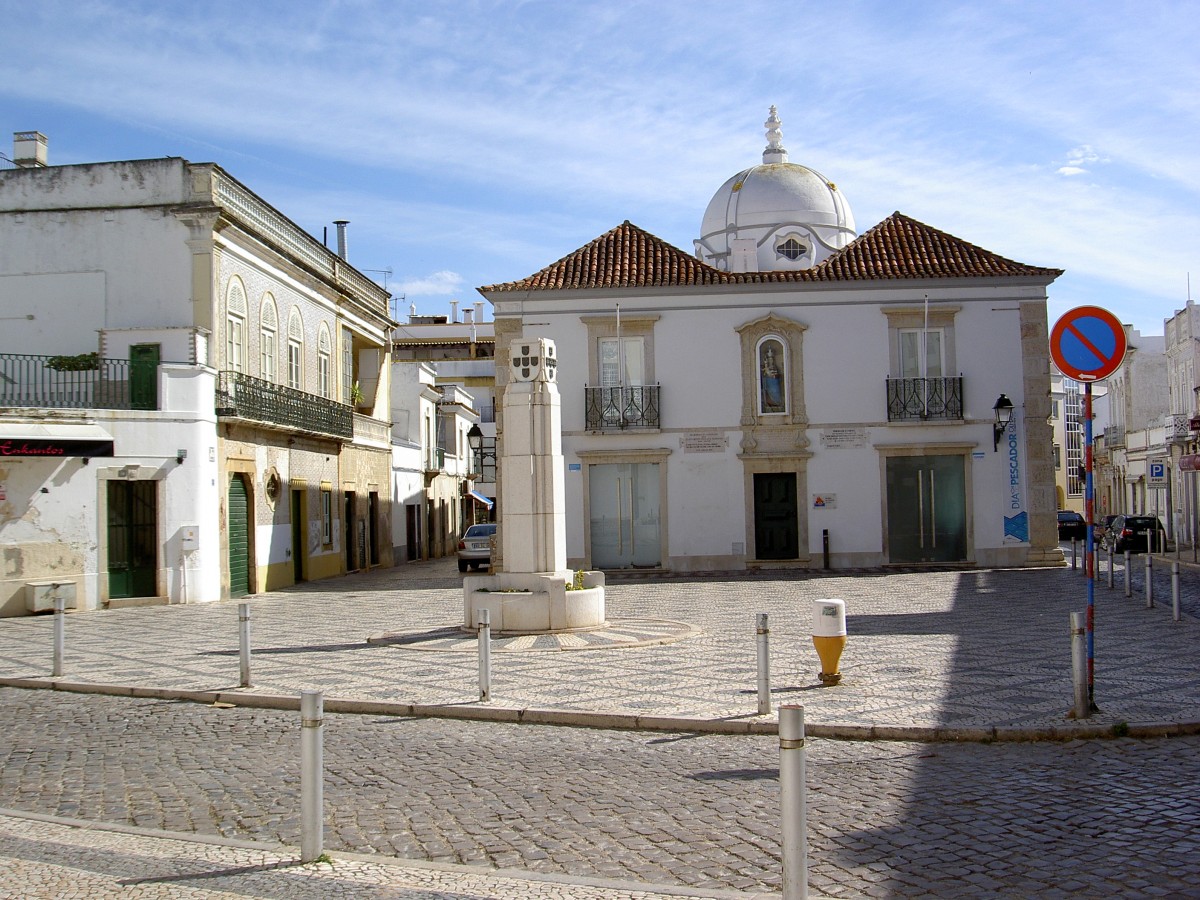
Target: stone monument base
x,y
534,603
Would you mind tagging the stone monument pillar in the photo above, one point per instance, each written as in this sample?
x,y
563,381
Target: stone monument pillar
x,y
536,593
534,535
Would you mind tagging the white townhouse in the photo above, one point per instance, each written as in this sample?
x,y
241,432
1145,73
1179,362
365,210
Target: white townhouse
x,y
795,393
194,401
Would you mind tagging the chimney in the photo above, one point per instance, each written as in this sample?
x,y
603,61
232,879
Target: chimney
x,y
478,310
453,310
341,227
468,315
29,149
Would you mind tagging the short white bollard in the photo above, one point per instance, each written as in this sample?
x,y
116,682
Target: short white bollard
x,y
1149,580
312,787
764,665
1175,590
244,643
1079,664
485,655
792,802
60,634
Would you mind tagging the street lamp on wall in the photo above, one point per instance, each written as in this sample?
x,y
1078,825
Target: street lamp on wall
x,y
1004,413
482,450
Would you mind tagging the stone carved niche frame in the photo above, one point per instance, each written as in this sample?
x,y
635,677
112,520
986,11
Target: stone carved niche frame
x,y
765,432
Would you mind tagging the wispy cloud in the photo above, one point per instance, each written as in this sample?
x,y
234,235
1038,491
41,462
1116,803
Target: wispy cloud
x,y
482,139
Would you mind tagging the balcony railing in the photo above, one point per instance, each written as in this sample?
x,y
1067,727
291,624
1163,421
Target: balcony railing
x,y
243,397
615,407
27,380
921,399
1114,435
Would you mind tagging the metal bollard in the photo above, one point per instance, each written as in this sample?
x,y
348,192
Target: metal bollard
x,y
1079,664
1149,580
792,802
1175,590
1128,588
244,643
312,787
60,634
485,655
1074,553
764,665
1110,568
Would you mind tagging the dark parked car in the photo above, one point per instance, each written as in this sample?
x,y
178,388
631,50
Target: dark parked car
x,y
1071,526
475,548
1133,533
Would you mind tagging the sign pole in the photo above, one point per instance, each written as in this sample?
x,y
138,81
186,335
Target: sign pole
x,y
1088,344
1091,546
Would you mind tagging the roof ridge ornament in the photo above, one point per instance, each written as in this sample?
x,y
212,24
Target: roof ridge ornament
x,y
774,152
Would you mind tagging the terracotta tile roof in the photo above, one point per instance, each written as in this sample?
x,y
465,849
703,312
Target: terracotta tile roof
x,y
898,247
627,256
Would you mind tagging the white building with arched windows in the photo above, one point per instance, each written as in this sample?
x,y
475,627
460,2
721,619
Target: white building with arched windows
x,y
193,393
795,393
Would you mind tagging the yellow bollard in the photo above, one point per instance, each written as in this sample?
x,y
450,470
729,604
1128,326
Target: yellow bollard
x,y
829,637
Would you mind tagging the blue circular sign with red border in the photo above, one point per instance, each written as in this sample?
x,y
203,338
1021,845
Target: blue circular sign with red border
x,y
1088,343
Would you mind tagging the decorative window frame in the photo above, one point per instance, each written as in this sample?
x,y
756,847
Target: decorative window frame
x,y
295,350
268,323
790,334
634,325
938,317
803,242
324,362
236,316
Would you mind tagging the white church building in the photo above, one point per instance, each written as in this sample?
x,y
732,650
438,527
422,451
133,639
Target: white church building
x,y
795,393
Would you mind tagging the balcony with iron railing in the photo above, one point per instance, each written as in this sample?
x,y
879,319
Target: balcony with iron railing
x,y
1114,435
240,396
616,408
76,382
922,399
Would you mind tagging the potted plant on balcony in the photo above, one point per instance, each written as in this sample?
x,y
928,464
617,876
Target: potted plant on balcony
x,y
356,395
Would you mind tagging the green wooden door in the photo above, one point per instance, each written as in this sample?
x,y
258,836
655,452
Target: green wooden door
x,y
238,533
143,376
776,527
132,539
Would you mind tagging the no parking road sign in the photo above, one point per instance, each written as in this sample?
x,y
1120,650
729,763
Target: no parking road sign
x,y
1088,343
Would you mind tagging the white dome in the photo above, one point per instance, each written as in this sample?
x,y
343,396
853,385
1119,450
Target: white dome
x,y
776,216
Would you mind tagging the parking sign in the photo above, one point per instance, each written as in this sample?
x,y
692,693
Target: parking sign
x,y
1156,476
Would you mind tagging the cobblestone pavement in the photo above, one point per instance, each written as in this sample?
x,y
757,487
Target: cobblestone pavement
x,y
43,858
1088,818
930,650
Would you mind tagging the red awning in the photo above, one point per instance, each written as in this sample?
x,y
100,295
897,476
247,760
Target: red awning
x,y
1189,463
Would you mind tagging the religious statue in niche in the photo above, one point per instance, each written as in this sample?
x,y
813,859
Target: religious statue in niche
x,y
772,383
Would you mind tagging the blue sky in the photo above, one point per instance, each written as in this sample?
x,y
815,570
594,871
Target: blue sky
x,y
475,141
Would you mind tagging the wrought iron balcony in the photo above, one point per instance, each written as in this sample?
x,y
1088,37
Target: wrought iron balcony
x,y
75,382
243,397
615,408
1114,435
922,399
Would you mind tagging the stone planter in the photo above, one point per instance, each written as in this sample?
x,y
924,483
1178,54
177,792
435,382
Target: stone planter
x,y
534,604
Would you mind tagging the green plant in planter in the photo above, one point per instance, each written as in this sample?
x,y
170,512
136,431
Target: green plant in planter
x,y
576,582
356,394
81,363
